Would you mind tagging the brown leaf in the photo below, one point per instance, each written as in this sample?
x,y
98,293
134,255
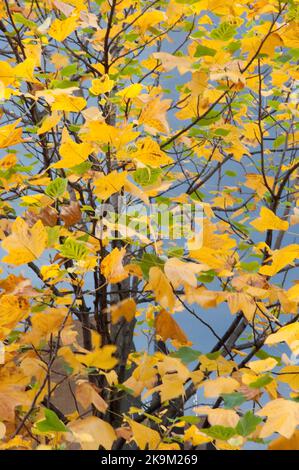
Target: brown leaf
x,y
47,215
71,213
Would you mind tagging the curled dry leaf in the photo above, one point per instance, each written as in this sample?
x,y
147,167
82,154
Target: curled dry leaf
x,y
71,214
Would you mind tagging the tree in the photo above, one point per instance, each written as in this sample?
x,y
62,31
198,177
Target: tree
x,y
149,180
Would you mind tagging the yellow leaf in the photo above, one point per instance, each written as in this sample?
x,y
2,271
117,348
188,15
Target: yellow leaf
x,y
280,259
288,333
181,273
216,387
161,288
282,417
130,91
16,442
124,309
48,123
101,358
172,446
50,271
167,328
286,444
10,136
144,436
87,395
269,221
91,433
68,103
13,309
72,153
149,153
8,161
109,184
61,29
219,416
193,435
290,376
149,19
153,116
262,365
293,292
25,71
170,61
24,244
112,267
101,85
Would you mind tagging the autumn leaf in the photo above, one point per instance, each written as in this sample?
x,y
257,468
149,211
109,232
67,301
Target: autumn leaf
x,y
124,309
144,436
24,244
167,328
112,266
161,288
92,432
149,153
10,135
87,395
282,417
101,358
109,184
269,221
48,123
220,386
101,85
71,214
61,29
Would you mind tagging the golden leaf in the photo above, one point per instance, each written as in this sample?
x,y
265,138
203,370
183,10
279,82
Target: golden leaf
x,y
87,394
269,221
24,244
144,436
112,266
161,288
124,309
109,184
92,432
167,328
282,417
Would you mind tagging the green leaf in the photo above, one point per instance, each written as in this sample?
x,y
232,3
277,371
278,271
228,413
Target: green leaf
x,y
81,169
231,400
220,432
207,276
146,176
20,19
187,354
63,84
252,266
224,32
261,381
73,249
231,173
149,260
247,424
189,419
204,51
56,188
51,423
69,70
